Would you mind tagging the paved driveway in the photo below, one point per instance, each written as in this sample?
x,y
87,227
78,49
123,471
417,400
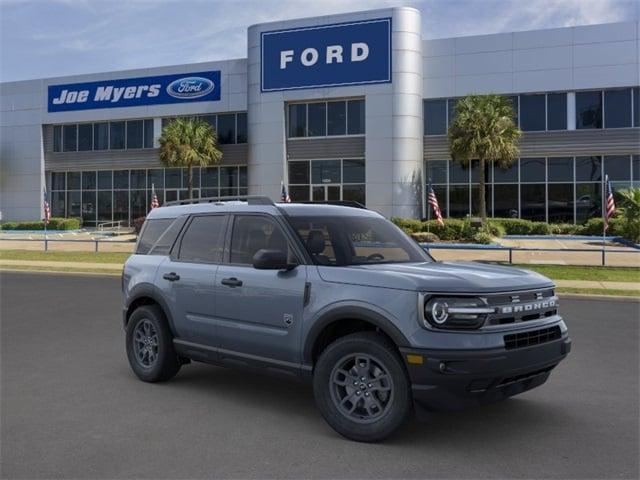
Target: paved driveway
x,y
71,407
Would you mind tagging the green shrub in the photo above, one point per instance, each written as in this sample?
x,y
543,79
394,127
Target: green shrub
x,y
425,237
55,223
594,226
409,225
519,226
482,237
564,228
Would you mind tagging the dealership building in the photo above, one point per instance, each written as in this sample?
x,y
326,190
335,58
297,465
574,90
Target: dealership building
x,y
342,107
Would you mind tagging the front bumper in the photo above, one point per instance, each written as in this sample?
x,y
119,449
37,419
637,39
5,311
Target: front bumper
x,y
454,379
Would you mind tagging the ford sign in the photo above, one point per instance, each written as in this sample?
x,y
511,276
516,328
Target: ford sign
x,y
135,92
352,53
190,87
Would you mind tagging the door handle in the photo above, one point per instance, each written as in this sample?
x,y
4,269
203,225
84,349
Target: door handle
x,y
172,277
231,282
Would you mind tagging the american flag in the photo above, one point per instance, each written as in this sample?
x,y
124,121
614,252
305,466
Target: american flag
x,y
433,201
47,209
609,203
154,198
284,195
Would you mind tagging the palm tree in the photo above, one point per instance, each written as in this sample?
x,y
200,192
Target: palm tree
x,y
484,129
630,211
187,142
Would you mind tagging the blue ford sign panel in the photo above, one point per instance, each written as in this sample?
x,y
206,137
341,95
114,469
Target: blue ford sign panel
x,y
353,53
135,92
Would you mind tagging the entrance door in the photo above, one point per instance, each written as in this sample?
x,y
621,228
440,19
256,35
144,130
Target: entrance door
x,y
173,194
327,193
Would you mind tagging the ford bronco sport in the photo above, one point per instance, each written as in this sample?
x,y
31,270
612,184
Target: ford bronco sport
x,y
339,296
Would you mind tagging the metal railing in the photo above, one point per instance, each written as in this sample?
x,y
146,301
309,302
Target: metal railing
x,y
47,241
603,251
117,224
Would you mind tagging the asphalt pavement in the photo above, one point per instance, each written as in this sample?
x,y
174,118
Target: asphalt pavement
x,y
71,408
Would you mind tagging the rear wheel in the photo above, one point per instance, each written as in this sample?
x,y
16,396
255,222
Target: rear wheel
x,y
150,345
361,387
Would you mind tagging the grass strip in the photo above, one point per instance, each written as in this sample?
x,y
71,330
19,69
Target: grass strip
x,y
60,256
579,272
599,291
29,268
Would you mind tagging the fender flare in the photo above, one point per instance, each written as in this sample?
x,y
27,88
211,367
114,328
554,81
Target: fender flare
x,y
350,312
150,291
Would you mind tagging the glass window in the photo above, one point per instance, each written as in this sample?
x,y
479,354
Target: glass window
x,y
105,204
203,240
89,207
148,133
355,117
58,204
457,173
121,205
85,137
532,202
195,175
560,202
475,199
138,179
353,171
299,173
74,204
298,120
173,178
618,167
58,181
589,109
317,113
155,178
73,180
242,127
299,193
228,181
101,136
436,171
138,204
135,134
617,108
588,201
514,105
458,201
116,135
532,112
532,170
105,180
441,196
556,111
325,171
508,175
227,128
635,163
163,245
252,233
89,180
560,169
337,118
244,180
588,169
121,179
505,201
151,232
354,193
452,103
636,107
210,119
57,138
70,138
435,117
209,177
475,172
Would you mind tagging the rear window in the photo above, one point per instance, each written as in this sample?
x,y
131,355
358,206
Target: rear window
x,y
151,233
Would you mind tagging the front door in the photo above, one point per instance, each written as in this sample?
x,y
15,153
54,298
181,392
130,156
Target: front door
x,y
259,312
326,193
187,278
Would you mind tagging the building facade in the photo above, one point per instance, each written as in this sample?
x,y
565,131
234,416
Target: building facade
x,y
342,107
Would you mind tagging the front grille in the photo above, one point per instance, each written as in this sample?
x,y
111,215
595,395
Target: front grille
x,y
534,337
522,306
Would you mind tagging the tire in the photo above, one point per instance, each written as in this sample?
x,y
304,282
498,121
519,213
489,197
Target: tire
x,y
384,400
159,362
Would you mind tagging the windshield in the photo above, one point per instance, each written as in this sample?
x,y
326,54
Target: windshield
x,y
342,241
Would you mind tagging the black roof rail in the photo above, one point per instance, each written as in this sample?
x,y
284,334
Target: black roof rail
x,y
339,203
250,199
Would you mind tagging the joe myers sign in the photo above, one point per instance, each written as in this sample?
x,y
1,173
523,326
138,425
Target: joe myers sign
x,y
351,53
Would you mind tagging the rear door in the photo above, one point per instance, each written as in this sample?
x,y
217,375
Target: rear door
x,y
259,312
187,278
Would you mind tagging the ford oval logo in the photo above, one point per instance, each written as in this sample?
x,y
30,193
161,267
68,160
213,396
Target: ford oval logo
x,y
190,87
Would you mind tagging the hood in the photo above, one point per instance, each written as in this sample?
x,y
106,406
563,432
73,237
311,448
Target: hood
x,y
449,277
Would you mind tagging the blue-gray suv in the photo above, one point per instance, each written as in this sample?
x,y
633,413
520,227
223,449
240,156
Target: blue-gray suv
x,y
340,296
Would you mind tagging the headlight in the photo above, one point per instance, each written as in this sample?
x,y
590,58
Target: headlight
x,y
456,312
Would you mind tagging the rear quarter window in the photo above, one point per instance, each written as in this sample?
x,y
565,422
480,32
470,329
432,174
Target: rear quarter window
x,y
151,232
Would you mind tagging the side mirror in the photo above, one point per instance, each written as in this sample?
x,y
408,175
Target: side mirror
x,y
265,259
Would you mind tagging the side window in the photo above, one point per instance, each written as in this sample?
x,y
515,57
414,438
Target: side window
x,y
168,238
151,232
252,233
204,240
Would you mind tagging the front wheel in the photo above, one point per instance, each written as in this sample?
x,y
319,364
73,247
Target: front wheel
x,y
361,387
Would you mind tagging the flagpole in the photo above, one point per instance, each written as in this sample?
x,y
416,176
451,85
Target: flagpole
x,y
604,213
429,187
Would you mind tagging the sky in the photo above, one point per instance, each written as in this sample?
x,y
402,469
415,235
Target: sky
x,y
50,38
